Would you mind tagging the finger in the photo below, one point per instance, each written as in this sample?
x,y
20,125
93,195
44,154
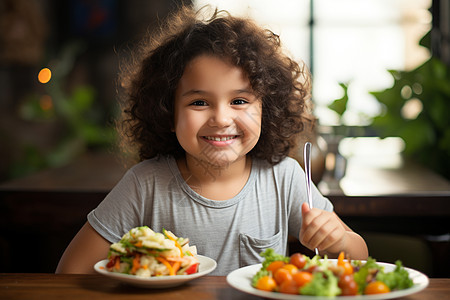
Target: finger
x,y
327,236
309,214
319,236
322,231
334,240
309,232
305,208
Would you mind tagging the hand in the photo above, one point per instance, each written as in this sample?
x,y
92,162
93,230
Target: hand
x,y
322,229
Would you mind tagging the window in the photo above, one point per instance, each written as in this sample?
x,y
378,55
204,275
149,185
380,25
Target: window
x,y
349,41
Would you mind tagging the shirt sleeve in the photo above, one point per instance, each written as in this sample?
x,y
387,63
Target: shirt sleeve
x,y
120,210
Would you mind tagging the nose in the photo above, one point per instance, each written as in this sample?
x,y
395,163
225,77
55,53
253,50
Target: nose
x,y
221,116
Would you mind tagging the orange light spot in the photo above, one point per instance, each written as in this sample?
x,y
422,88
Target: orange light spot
x,y
44,75
46,102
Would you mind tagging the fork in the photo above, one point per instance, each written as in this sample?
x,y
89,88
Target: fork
x,y
307,158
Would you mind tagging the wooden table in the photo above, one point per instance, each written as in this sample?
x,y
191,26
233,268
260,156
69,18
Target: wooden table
x,y
51,286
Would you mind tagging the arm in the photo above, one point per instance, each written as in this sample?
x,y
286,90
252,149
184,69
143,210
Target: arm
x,y
86,248
327,232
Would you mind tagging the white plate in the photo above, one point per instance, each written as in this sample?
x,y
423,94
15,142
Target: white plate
x,y
207,265
241,279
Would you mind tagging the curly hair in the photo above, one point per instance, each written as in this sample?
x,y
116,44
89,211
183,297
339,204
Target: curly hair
x,y
150,82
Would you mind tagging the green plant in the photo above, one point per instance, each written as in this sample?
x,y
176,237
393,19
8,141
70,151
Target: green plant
x,y
427,132
340,106
75,113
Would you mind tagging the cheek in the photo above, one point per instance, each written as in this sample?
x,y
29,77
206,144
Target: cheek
x,y
187,124
251,122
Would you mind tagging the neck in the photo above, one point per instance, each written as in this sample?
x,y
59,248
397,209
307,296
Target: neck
x,y
203,172
212,181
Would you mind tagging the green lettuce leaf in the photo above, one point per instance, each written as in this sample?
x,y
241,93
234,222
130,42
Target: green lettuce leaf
x,y
322,284
261,273
397,279
270,256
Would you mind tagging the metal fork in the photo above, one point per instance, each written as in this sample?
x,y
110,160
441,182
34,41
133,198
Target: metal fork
x,y
307,158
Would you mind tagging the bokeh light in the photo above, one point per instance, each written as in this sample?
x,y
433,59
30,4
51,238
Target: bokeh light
x,y
44,75
411,109
46,102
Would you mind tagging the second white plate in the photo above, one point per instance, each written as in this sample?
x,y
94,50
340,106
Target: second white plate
x,y
241,279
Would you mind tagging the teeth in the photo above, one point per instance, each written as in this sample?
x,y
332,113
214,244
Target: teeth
x,y
218,139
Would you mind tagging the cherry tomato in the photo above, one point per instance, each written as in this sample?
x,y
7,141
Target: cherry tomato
x,y
348,285
346,265
289,287
302,278
348,268
291,268
376,287
298,260
266,283
282,275
274,266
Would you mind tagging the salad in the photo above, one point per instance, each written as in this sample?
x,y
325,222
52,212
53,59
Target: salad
x,y
145,253
301,275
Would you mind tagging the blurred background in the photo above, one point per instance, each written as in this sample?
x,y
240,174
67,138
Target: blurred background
x,y
354,49
381,94
50,121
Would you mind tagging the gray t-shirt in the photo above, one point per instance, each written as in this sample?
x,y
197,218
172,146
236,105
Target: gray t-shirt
x,y
233,232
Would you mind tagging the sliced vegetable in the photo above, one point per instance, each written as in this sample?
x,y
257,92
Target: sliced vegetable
x,y
174,238
192,269
136,263
175,267
117,264
167,264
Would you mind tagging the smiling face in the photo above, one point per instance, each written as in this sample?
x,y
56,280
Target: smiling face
x,y
217,116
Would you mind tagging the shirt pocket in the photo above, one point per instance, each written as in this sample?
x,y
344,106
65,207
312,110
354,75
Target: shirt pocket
x,y
250,248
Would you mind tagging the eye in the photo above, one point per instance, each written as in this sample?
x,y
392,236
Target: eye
x,y
239,101
199,103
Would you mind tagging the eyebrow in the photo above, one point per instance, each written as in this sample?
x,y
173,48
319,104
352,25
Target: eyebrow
x,y
193,92
202,92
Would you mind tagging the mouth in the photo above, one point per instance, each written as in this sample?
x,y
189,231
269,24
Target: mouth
x,y
220,138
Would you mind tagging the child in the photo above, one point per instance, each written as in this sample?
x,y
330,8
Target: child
x,y
214,107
